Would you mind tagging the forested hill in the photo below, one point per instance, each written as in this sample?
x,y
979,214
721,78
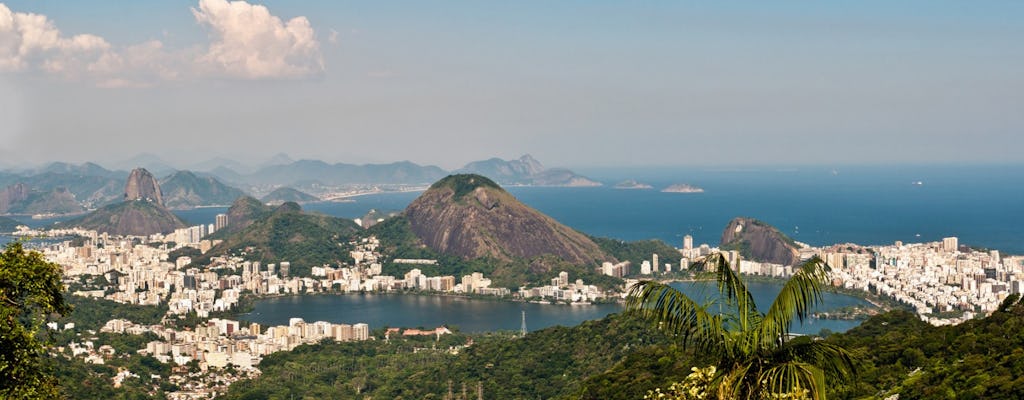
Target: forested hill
x,y
621,358
978,359
551,363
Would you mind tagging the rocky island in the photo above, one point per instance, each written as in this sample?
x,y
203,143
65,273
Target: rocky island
x,y
632,184
682,188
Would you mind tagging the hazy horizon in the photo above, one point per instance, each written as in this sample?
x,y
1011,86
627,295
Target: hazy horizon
x,y
575,84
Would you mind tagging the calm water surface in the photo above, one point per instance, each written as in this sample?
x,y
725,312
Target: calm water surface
x,y
473,315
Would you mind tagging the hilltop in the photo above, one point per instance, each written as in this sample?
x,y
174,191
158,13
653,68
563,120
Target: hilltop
x,y
284,233
758,241
185,190
142,213
470,216
134,217
286,194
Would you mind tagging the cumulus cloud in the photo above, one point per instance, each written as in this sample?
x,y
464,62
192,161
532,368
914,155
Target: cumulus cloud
x,y
32,41
246,42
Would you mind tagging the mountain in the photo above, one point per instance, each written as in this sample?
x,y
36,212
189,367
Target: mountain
x,y
142,185
86,169
342,174
286,194
242,213
134,217
758,241
525,171
184,190
20,199
470,216
285,233
142,212
278,159
8,225
149,161
216,163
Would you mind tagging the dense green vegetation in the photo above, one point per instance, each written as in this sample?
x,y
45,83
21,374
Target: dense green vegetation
x,y
30,290
90,313
978,359
754,355
463,184
288,234
81,380
638,251
551,363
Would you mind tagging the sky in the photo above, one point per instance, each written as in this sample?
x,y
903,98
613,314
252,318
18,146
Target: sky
x,y
574,83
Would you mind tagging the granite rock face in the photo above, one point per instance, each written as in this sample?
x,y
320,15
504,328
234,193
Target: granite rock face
x,y
142,185
471,216
758,241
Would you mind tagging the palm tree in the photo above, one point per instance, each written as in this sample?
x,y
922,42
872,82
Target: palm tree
x,y
756,356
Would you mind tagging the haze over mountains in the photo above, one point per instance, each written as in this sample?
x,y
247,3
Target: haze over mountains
x,y
63,188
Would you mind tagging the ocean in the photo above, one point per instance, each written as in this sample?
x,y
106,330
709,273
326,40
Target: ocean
x,y
982,205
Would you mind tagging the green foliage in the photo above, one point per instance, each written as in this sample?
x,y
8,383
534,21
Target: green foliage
x,y
463,184
287,234
30,289
638,251
978,359
550,363
91,313
754,354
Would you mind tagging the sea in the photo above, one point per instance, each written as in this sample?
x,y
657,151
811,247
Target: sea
x,y
869,205
982,205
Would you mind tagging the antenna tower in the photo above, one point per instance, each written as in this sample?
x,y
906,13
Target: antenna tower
x,y
522,328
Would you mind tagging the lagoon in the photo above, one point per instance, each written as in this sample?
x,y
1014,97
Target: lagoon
x,y
484,315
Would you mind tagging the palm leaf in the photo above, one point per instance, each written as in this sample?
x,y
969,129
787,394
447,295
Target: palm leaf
x,y
832,359
733,289
674,311
793,376
801,293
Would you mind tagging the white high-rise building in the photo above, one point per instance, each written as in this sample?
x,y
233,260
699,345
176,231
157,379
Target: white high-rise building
x,y
645,267
950,244
220,221
654,263
687,242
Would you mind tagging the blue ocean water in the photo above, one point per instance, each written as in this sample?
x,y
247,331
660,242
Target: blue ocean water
x,y
982,205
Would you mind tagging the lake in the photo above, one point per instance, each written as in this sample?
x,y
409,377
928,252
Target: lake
x,y
477,315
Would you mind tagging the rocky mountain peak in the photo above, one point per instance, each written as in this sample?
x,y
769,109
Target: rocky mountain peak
x,y
142,185
470,216
757,241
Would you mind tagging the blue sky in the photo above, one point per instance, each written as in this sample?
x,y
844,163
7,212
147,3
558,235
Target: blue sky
x,y
579,83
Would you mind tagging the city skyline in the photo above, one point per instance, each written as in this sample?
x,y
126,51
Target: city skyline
x,y
574,84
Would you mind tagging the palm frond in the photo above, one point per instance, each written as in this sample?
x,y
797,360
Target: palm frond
x,y
674,311
732,288
832,359
793,377
801,293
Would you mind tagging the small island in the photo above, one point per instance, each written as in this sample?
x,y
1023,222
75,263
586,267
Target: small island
x,y
682,188
632,184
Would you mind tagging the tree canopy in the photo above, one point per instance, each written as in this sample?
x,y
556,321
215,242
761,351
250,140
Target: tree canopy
x,y
30,290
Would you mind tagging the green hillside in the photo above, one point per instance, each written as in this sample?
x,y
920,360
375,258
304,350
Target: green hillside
x,y
288,234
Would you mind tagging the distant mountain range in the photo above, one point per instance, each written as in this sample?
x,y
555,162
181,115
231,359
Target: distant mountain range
x,y
68,188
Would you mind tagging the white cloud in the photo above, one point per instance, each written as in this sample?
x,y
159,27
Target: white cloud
x,y
246,42
31,41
